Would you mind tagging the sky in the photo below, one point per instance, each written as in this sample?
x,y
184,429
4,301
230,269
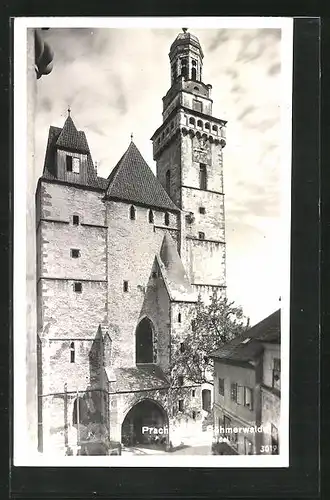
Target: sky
x,y
114,80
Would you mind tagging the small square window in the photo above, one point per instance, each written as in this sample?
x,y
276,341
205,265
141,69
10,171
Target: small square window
x,y
75,253
202,210
77,287
201,235
75,220
69,163
180,404
125,286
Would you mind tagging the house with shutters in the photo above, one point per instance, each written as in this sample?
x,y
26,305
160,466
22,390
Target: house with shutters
x,y
121,262
247,391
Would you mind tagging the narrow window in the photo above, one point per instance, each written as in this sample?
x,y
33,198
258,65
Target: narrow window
x,y
202,176
276,382
193,393
180,404
69,163
193,325
72,353
125,286
75,165
75,220
233,392
132,213
202,210
180,380
248,398
194,415
179,318
199,123
77,287
207,126
168,181
194,74
192,121
201,235
75,253
206,399
221,386
184,67
151,216
167,219
182,347
215,128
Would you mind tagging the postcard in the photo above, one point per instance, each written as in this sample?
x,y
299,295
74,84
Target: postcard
x,y
152,177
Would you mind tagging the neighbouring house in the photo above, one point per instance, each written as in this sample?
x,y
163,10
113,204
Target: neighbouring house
x,y
121,262
247,391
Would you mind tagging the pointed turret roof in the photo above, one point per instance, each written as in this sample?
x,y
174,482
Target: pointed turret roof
x,y
70,138
133,180
173,272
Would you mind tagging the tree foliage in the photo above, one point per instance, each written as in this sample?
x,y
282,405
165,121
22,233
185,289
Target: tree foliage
x,y
212,325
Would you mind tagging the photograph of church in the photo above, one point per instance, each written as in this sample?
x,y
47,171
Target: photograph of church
x,y
145,219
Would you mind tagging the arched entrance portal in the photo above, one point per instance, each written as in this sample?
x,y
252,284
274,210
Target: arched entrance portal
x,y
145,424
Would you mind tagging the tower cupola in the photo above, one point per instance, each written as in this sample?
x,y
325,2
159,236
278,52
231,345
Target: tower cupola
x,y
186,57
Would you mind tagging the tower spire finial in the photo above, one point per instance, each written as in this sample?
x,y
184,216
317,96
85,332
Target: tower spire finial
x,y
184,30
69,110
131,136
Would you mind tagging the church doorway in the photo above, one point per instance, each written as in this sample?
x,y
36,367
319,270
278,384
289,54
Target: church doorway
x,y
146,424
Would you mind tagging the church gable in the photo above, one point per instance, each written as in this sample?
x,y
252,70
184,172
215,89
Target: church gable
x,y
132,180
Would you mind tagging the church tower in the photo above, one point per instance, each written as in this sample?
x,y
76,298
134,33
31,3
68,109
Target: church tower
x,y
188,150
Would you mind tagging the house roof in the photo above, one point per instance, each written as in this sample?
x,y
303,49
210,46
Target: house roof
x,y
249,346
132,180
174,275
139,378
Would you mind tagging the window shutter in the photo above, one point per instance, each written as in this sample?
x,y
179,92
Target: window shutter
x,y
240,395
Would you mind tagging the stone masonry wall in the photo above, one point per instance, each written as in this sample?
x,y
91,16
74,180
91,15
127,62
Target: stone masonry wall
x,y
132,246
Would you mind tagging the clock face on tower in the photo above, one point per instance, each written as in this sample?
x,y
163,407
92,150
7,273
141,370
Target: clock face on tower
x,y
202,151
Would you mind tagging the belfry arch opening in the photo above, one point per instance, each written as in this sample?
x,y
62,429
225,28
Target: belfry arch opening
x,y
144,342
146,424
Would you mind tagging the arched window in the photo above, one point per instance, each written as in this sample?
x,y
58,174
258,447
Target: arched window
x,y
144,342
72,353
192,120
199,123
79,411
202,176
132,213
167,219
151,216
184,67
168,181
207,126
215,128
194,74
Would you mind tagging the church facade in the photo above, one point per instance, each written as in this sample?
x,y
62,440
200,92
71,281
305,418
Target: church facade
x,y
121,262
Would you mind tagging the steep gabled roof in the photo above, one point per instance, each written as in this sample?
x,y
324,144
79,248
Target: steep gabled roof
x,y
249,346
70,138
132,180
67,140
175,278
